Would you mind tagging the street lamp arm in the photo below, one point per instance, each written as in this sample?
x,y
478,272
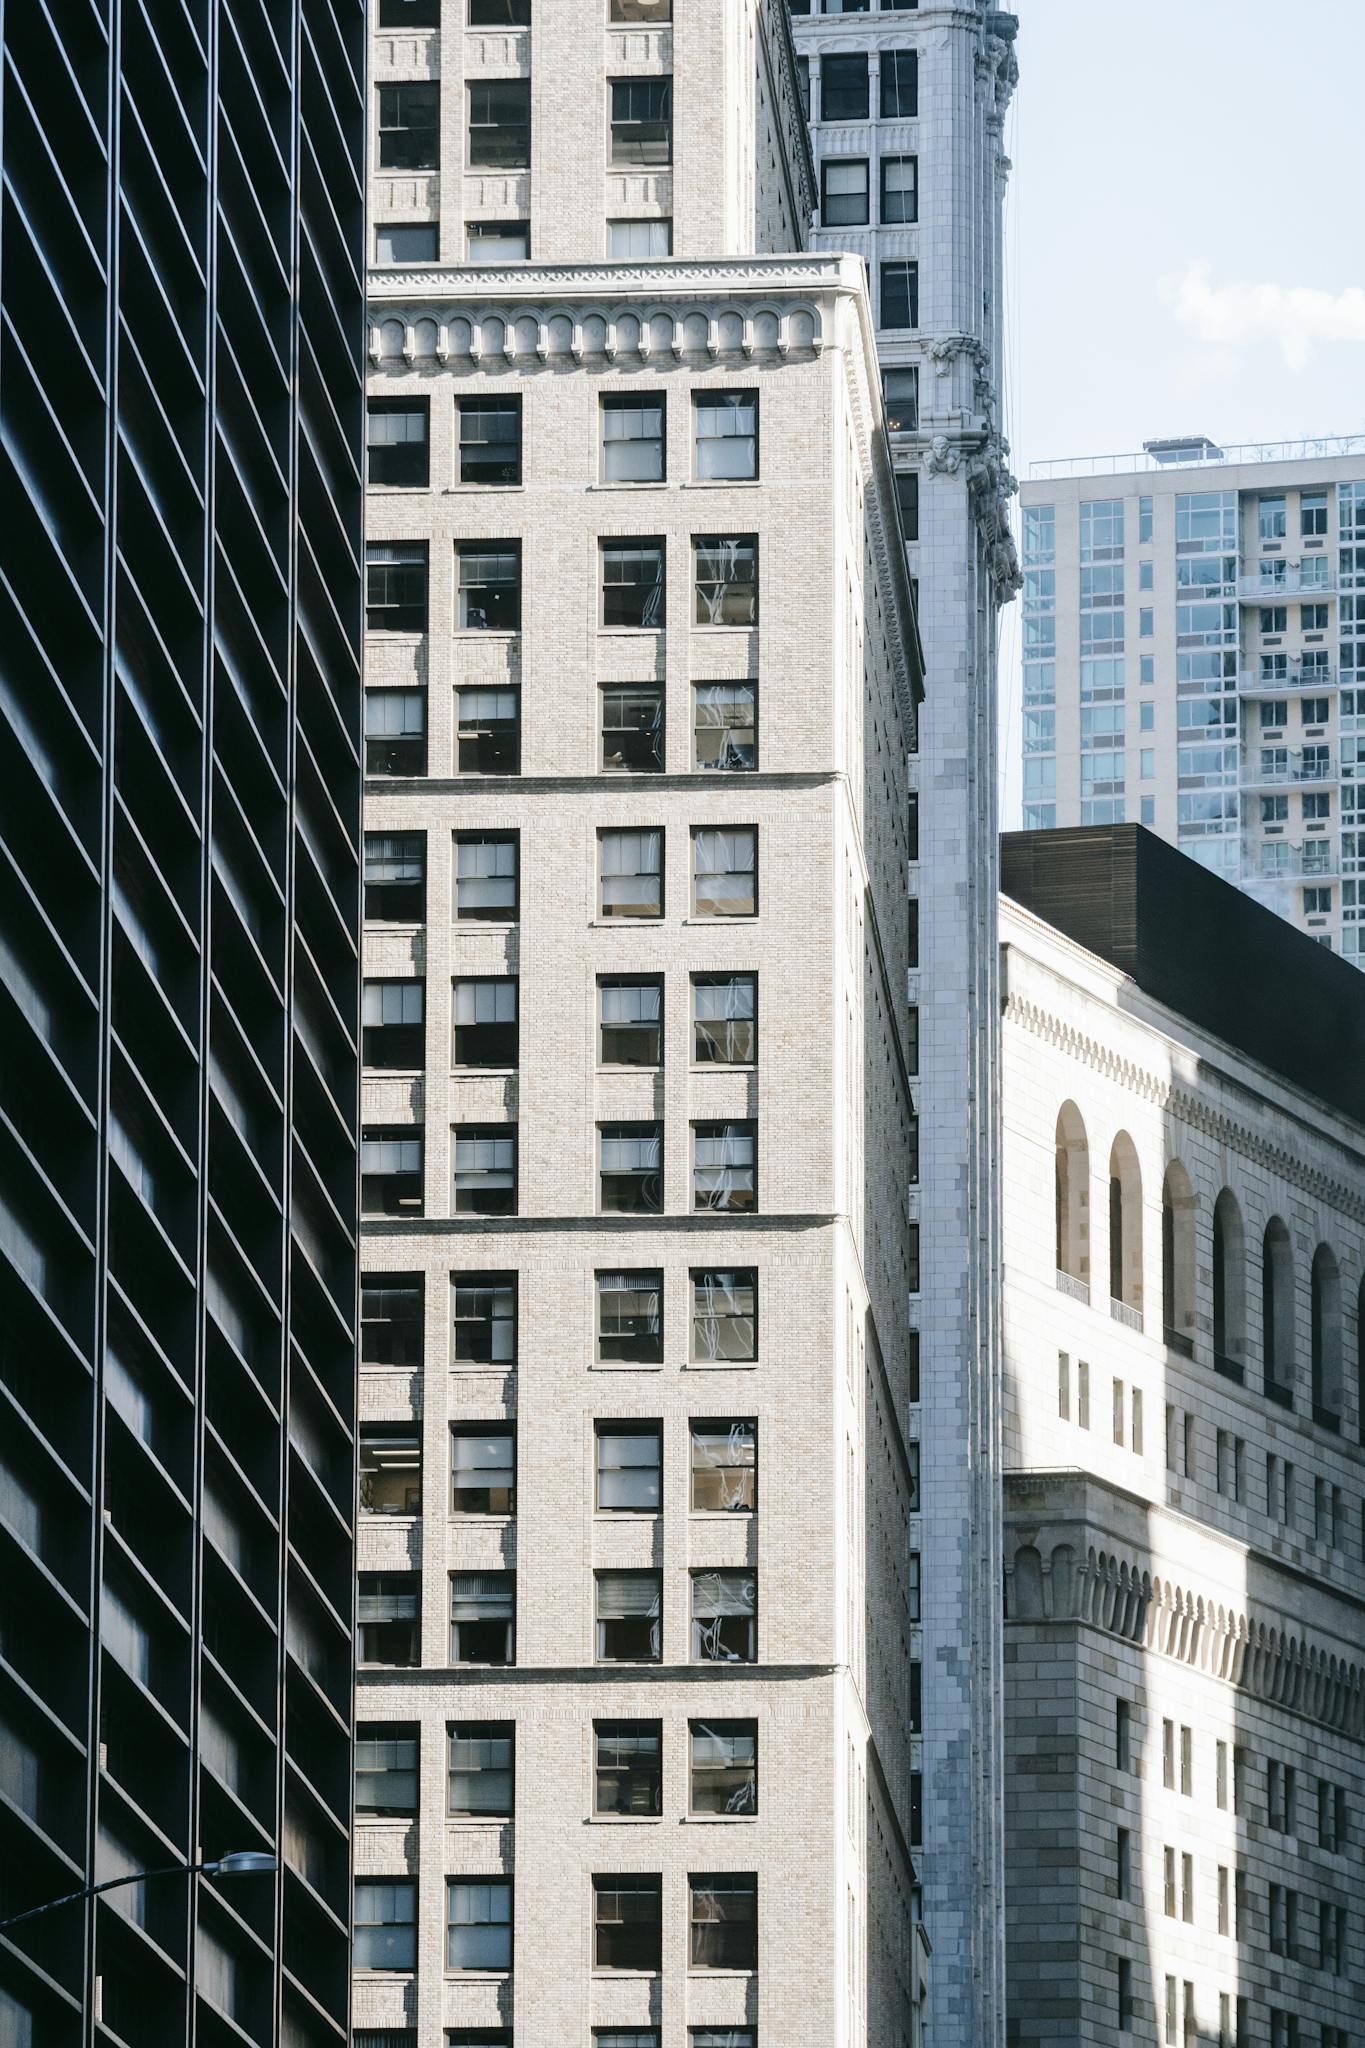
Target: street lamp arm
x,y
239,1863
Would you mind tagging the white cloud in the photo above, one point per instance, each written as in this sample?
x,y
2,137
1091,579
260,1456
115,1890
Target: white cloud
x,y
1296,316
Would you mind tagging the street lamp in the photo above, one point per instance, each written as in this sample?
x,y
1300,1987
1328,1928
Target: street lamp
x,y
237,1863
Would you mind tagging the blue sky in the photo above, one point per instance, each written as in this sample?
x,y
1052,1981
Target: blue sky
x,y
1185,232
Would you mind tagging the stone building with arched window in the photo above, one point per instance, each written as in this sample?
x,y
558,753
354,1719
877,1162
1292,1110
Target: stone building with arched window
x,y
1183,1467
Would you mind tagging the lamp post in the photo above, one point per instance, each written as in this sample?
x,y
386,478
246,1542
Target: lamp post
x,y
238,1863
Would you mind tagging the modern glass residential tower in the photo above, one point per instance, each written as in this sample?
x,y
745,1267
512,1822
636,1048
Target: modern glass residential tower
x,y
642,676
1194,661
180,411
907,105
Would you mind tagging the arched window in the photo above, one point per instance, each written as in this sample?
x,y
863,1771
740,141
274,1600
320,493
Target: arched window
x,y
1073,1202
1327,1382
1229,1287
1277,1313
1125,1230
1177,1259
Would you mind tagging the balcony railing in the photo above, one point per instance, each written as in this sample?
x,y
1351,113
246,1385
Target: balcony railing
x,y
1277,860
1309,767
1292,683
1079,1290
1261,586
1131,1318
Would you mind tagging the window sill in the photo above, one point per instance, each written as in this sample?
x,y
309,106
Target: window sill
x,y
709,923
721,1066
722,1364
721,1515
626,1976
463,490
709,1976
483,634
477,1976
392,1073
626,483
720,483
477,1073
409,927
459,1521
480,924
485,1823
631,1067
725,1820
609,1515
624,1820
624,1365
616,924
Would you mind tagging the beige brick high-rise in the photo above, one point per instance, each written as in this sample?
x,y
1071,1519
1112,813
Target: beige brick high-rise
x,y
642,678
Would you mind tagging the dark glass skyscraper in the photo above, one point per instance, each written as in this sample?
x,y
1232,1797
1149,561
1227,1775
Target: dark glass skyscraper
x,y
180,323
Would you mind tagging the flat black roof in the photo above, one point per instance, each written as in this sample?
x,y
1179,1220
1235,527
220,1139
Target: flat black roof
x,y
1202,947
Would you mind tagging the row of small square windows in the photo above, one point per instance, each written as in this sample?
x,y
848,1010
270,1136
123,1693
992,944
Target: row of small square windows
x,y
485,1028
632,583
630,1168
629,1457
627,1934
723,1322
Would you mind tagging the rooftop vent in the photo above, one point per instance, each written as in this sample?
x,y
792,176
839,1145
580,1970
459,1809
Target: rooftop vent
x,y
1192,448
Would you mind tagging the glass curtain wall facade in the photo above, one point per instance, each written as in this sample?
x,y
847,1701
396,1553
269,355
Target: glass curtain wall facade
x,y
180,417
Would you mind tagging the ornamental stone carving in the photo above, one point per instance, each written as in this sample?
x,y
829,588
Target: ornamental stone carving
x,y
541,333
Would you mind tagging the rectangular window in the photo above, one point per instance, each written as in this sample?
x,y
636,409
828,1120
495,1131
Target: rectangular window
x,y
388,1626
725,432
1271,521
724,1468
724,1314
395,877
485,878
633,439
490,586
390,1468
486,1170
1082,1393
900,85
630,1317
1123,1734
900,391
499,123
628,1608
397,444
485,1023
627,1923
629,1467
1063,1386
632,1159
391,1313
405,242
633,583
628,1767
900,190
385,1934
392,1030
641,120
493,241
725,580
490,440
409,127
900,294
483,1617
724,871
480,1770
1168,1755
386,1769
1187,1887
488,740
724,1776
1123,1864
844,199
725,726
639,241
391,1170
632,722
907,502
1187,1761
724,1617
499,13
1171,2014
483,1469
630,1026
725,1167
479,1923
1124,1993
1312,514
843,89
395,587
1168,1882
483,1313
631,874
724,1922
